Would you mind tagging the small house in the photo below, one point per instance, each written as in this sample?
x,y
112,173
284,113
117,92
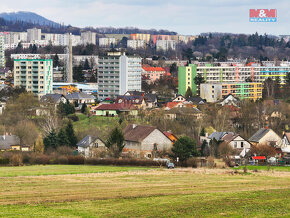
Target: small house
x,y
89,145
145,141
266,136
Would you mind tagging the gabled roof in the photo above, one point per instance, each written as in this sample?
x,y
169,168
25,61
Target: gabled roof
x,y
133,99
230,137
116,106
52,97
86,141
150,97
287,135
196,100
137,133
149,69
79,96
7,141
259,134
219,135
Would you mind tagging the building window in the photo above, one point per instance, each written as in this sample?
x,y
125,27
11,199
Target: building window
x,y
236,144
155,147
242,144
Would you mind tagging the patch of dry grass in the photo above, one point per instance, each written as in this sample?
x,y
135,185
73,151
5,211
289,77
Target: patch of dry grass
x,y
133,184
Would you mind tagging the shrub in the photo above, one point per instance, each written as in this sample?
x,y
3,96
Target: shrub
x,y
245,169
122,162
40,159
73,117
61,160
64,150
4,161
76,160
210,162
192,162
16,160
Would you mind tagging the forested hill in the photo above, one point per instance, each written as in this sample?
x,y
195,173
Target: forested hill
x,y
21,21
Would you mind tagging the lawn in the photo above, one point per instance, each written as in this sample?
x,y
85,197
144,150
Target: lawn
x,y
268,168
153,193
39,170
94,122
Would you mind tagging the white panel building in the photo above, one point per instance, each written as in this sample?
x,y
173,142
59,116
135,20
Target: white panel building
x,y
165,45
107,42
135,44
33,34
88,38
117,74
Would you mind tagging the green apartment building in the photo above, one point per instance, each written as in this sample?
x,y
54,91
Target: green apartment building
x,y
228,74
35,75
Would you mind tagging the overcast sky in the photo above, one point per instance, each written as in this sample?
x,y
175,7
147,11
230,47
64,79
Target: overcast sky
x,y
183,16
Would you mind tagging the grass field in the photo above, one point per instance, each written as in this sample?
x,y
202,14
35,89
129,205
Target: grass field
x,y
145,193
276,168
41,170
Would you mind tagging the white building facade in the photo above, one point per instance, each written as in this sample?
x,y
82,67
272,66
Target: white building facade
x,y
117,74
107,42
165,45
136,44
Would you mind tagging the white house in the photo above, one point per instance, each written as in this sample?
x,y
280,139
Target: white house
x,y
236,141
89,145
266,136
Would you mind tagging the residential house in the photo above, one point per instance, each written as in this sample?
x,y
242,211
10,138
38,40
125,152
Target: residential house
x,y
176,113
236,141
81,98
150,98
10,143
145,141
53,98
266,136
179,98
138,101
89,145
229,100
114,109
171,136
152,74
196,100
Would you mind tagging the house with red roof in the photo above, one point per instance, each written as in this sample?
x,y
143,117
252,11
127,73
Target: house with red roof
x,y
151,74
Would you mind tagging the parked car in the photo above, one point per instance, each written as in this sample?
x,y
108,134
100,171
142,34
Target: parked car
x,y
170,165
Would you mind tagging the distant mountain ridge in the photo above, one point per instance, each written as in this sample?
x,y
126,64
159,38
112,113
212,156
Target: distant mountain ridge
x,y
28,17
23,20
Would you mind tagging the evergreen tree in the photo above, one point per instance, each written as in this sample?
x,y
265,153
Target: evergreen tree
x,y
84,108
86,65
199,80
188,93
78,74
202,132
115,142
50,141
55,61
76,104
70,133
184,148
62,138
204,149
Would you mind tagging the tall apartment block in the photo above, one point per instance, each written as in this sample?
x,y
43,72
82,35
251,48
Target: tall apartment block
x,y
117,74
33,35
2,51
88,38
36,75
228,74
213,92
